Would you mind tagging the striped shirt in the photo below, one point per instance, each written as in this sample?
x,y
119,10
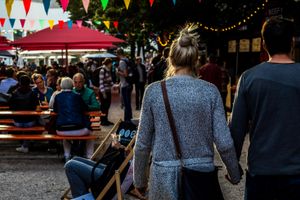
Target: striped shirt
x,y
105,80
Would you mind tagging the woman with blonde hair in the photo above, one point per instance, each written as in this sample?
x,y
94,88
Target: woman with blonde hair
x,y
197,108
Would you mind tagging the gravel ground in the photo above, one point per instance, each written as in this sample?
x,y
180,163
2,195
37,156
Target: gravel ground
x,y
40,175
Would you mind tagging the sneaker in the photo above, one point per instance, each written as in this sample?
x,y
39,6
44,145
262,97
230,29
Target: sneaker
x,y
22,149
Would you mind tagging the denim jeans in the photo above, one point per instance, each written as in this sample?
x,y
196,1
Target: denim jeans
x,y
25,125
272,187
78,171
126,95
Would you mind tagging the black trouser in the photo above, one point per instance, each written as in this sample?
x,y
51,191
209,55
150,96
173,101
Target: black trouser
x,y
275,187
105,104
139,93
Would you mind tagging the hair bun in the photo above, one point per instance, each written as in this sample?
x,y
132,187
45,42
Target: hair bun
x,y
188,37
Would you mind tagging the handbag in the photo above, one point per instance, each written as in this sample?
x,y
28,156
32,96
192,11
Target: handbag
x,y
194,185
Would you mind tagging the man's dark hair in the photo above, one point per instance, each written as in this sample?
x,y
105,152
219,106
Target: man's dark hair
x,y
166,52
277,33
10,72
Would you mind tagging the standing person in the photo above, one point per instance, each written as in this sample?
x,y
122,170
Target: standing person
x,y
224,81
87,94
199,119
141,79
161,66
105,86
211,72
126,88
268,100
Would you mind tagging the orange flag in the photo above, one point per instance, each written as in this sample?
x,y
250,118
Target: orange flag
x,y
8,4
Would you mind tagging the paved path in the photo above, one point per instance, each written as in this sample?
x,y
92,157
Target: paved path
x,y
39,175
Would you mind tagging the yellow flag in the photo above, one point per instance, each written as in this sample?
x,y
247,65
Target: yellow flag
x,y
51,23
107,24
127,2
9,4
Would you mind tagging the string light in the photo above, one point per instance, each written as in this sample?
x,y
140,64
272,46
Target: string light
x,y
166,42
239,23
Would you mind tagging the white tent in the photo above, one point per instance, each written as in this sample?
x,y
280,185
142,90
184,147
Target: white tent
x,y
99,55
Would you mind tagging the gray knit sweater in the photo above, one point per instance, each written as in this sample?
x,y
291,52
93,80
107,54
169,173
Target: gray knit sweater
x,y
200,122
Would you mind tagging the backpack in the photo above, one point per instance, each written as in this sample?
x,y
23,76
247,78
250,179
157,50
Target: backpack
x,y
131,77
95,76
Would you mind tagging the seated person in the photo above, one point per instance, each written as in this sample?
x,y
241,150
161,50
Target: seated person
x,y
23,99
9,81
42,92
71,119
88,95
58,89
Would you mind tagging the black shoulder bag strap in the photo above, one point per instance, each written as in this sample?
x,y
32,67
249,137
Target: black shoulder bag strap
x,y
171,119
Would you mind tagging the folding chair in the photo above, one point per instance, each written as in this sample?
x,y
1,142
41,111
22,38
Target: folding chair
x,y
99,152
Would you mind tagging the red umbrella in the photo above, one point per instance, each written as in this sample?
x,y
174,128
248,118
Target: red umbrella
x,y
66,38
5,44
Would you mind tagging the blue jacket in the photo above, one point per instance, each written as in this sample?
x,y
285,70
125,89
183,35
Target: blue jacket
x,y
70,109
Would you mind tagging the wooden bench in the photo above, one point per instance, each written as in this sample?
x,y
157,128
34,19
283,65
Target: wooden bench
x,y
45,137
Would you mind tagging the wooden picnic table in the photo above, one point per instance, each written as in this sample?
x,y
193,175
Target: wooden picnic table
x,y
43,112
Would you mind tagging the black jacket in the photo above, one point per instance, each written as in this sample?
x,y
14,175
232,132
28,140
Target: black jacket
x,y
70,109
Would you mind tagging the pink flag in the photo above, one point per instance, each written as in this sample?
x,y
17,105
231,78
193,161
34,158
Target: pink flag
x,y
27,4
22,22
31,23
79,23
86,5
64,4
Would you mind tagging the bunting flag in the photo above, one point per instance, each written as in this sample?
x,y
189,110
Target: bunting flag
x,y
104,4
61,24
46,5
86,5
151,2
79,23
70,24
64,4
8,4
127,2
107,24
42,23
97,22
22,22
12,22
2,21
31,23
174,2
51,23
27,4
116,24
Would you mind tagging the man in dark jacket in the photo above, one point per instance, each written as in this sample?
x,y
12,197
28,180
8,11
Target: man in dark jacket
x,y
141,78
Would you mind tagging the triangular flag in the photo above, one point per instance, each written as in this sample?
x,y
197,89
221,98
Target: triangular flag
x,y
51,23
79,23
174,1
12,22
61,24
107,24
151,2
116,24
46,5
9,4
104,4
127,2
64,4
2,21
22,22
70,24
86,5
42,23
27,4
31,23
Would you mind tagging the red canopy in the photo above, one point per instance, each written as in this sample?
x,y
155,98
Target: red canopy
x,y
5,44
66,38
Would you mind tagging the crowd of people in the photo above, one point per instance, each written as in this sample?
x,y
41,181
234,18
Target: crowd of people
x,y
266,107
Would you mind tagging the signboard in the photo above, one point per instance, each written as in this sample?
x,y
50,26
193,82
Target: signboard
x,y
256,44
231,46
244,45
